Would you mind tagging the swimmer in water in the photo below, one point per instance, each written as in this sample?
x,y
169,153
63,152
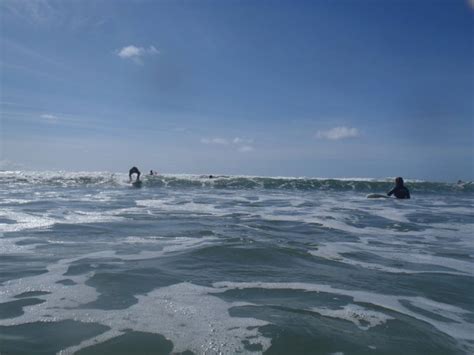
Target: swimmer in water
x,y
132,171
400,191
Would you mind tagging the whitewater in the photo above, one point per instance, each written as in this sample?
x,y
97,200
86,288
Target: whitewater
x,y
234,264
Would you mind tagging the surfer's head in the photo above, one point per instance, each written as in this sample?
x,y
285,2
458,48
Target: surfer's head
x,y
399,181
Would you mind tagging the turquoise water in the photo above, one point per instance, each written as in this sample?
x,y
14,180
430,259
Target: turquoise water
x,y
187,264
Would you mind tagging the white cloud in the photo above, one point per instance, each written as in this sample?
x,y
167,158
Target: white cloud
x,y
130,51
245,149
238,140
50,118
471,3
38,12
58,14
240,144
136,53
336,133
221,141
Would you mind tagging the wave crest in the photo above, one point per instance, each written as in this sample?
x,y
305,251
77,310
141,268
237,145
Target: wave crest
x,y
108,179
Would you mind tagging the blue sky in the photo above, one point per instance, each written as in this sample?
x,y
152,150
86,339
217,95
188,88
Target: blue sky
x,y
325,88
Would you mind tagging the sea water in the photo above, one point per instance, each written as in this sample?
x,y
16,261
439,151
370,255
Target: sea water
x,y
234,264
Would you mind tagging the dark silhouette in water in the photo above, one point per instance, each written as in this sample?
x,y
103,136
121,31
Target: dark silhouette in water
x,y
400,191
151,172
132,171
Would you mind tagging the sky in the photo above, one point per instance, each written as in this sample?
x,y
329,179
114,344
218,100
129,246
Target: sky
x,y
321,88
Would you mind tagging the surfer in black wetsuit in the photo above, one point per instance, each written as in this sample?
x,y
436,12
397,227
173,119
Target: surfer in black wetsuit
x,y
132,171
400,191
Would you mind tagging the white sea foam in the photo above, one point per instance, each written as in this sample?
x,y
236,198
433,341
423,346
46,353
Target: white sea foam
x,y
371,230
23,221
9,246
456,327
56,271
335,251
187,314
82,217
390,214
360,316
170,205
331,213
19,201
143,240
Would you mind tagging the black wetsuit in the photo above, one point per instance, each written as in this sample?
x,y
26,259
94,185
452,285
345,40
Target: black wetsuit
x,y
134,170
399,192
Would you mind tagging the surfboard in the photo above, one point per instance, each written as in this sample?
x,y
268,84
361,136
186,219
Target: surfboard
x,y
377,196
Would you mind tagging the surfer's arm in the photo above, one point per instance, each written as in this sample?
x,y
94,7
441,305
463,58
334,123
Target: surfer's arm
x,y
390,193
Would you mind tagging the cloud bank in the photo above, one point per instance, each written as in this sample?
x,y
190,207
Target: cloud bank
x,y
337,133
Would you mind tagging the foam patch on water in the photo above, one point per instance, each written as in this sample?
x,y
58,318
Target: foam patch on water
x,y
360,316
170,205
10,246
16,201
56,271
189,315
23,221
374,230
332,213
83,217
143,240
459,210
337,221
391,214
353,215
457,327
409,254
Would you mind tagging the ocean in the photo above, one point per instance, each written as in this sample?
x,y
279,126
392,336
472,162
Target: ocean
x,y
235,264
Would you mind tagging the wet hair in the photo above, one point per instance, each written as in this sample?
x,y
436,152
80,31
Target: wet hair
x,y
399,181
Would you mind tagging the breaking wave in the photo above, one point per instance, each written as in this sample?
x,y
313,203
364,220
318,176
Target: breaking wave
x,y
108,179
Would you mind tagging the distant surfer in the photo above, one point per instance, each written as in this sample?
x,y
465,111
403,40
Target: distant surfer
x,y
400,191
151,172
132,171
